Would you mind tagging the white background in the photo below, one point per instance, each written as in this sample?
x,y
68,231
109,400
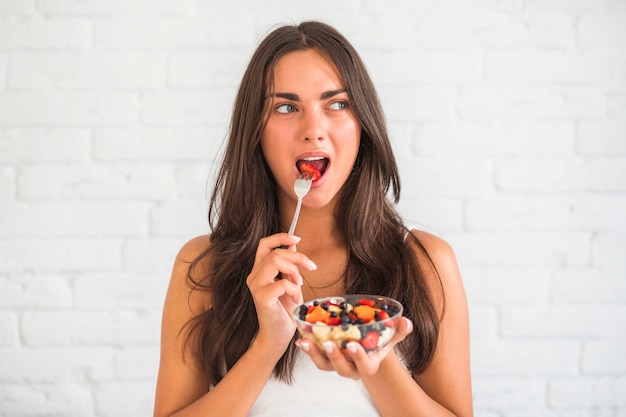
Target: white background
x,y
509,122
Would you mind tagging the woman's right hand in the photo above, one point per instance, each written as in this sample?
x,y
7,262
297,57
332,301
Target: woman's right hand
x,y
275,298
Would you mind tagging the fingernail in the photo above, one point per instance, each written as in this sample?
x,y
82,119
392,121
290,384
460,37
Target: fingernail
x,y
409,324
295,238
312,265
300,280
351,347
304,346
328,346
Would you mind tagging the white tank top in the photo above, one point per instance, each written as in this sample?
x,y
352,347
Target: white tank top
x,y
313,393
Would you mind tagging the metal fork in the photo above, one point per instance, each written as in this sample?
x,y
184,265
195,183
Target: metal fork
x,y
301,187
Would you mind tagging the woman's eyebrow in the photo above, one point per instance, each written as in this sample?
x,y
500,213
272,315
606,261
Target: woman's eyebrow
x,y
294,97
328,94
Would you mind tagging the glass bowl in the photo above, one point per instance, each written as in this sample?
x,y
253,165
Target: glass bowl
x,y
367,319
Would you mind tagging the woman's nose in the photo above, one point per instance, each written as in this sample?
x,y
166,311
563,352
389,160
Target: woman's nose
x,y
314,126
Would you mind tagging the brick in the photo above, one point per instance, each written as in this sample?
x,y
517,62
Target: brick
x,y
115,7
10,293
447,177
579,321
102,219
569,174
124,399
9,331
213,68
176,144
137,363
39,33
525,358
483,322
602,27
589,285
390,67
7,183
68,328
506,286
139,181
56,365
610,62
421,6
64,399
181,219
540,65
587,393
435,214
521,249
87,70
481,139
197,31
35,290
120,291
424,104
605,357
55,255
514,102
501,393
151,255
604,138
4,69
495,28
68,108
572,5
189,108
33,144
607,251
19,399
547,213
23,7
616,106
195,181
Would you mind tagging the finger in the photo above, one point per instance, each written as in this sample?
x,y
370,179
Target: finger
x,y
366,364
316,355
269,243
339,362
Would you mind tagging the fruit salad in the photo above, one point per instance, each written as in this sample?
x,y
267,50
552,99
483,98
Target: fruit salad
x,y
366,319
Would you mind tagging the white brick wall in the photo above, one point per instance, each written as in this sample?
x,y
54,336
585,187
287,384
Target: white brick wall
x,y
508,116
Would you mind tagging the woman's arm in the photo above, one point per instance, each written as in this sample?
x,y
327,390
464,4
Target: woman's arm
x,y
444,388
182,388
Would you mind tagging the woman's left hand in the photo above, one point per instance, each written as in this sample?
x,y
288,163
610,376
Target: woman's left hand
x,y
360,363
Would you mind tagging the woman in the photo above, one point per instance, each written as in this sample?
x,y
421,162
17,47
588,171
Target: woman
x,y
229,345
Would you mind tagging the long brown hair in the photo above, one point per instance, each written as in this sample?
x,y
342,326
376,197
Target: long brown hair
x,y
243,209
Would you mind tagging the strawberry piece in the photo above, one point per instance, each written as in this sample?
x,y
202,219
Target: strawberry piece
x,y
370,342
383,315
310,171
366,302
333,321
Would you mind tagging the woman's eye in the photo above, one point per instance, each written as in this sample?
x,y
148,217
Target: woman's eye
x,y
339,105
285,108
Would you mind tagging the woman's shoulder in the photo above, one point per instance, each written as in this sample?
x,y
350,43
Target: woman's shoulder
x,y
439,265
437,249
190,270
193,248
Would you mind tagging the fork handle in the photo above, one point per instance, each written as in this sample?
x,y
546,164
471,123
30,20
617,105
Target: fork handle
x,y
292,228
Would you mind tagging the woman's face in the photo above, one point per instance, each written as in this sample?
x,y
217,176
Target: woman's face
x,y
310,119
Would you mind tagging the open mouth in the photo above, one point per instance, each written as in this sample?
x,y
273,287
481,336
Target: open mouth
x,y
318,164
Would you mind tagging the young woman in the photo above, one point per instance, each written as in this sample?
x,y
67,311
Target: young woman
x,y
229,344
